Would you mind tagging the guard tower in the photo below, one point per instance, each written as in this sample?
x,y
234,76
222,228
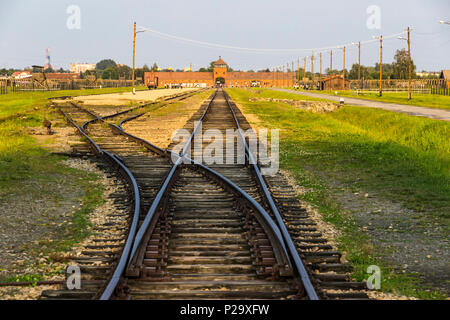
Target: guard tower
x,y
220,71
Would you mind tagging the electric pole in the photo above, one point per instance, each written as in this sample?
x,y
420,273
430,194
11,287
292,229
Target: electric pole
x,y
304,68
359,66
134,53
409,57
320,74
292,78
343,73
331,63
381,66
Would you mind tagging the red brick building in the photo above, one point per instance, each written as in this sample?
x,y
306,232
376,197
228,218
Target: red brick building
x,y
334,82
220,75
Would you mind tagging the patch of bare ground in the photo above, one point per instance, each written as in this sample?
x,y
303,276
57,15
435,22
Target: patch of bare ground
x,y
125,98
61,139
311,106
32,215
33,219
106,110
158,126
406,239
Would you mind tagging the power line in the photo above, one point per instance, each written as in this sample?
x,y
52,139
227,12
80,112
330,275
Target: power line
x,y
257,50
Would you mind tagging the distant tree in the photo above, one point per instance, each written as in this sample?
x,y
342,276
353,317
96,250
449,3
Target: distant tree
x,y
49,70
154,67
264,70
211,66
125,71
140,72
104,64
203,70
250,70
8,72
110,73
400,67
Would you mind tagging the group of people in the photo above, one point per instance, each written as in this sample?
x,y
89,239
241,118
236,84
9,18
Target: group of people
x,y
306,87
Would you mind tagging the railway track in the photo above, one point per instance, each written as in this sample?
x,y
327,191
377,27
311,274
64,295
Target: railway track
x,y
222,232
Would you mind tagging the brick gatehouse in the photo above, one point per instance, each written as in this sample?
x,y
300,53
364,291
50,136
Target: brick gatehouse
x,y
220,75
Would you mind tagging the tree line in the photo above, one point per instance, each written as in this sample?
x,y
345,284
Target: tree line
x,y
109,69
398,69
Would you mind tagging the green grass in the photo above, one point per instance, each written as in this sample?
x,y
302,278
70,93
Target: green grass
x,y
418,99
78,230
12,104
401,158
25,278
27,167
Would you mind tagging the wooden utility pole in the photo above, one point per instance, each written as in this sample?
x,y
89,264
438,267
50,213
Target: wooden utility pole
x,y
320,74
331,63
298,69
359,66
409,57
343,73
304,68
287,74
273,77
280,76
312,67
284,76
381,66
292,78
134,52
277,77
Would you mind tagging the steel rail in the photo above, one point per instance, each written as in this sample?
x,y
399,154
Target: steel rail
x,y
181,157
129,119
188,143
159,196
121,265
114,280
82,132
311,292
252,201
112,284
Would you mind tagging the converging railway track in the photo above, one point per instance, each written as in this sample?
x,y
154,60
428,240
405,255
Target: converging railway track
x,y
193,231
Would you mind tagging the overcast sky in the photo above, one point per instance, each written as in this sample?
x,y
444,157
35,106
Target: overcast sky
x,y
28,27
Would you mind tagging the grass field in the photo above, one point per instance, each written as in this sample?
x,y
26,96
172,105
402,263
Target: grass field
x,y
20,156
21,102
418,99
400,158
29,171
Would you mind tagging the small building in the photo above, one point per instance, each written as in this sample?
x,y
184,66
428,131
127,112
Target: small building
x,y
445,75
334,83
21,75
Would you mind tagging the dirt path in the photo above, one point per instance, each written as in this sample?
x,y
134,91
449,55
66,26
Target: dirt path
x,y
437,114
158,126
125,98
